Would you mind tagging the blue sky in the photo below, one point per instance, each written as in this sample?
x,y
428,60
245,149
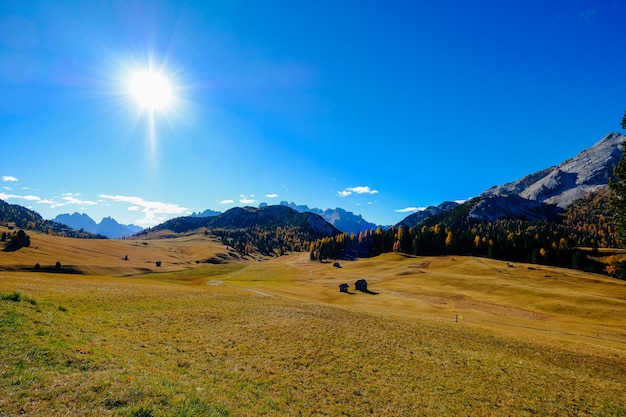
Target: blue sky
x,y
378,107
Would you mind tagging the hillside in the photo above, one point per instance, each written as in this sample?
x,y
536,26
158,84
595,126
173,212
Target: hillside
x,y
442,336
544,218
264,218
116,257
268,231
23,218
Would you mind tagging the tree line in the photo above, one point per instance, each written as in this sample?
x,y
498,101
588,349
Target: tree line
x,y
583,228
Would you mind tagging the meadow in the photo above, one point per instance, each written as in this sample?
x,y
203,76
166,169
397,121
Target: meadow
x,y
208,335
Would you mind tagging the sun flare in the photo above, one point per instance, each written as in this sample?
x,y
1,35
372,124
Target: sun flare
x,y
151,90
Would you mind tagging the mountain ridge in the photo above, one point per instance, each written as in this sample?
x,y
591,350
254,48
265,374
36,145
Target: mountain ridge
x,y
344,220
543,195
268,217
575,177
108,226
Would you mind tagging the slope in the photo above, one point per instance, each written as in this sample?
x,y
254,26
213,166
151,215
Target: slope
x,y
277,338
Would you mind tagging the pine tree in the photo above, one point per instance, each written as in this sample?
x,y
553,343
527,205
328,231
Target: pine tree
x,y
618,198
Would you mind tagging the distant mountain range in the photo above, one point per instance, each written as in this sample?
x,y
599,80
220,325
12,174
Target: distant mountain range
x,y
343,220
206,213
23,218
108,227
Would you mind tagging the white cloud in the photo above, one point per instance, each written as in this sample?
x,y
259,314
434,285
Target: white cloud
x,y
271,195
460,201
7,188
71,198
361,189
8,178
68,199
247,200
5,196
410,209
227,201
154,212
134,208
30,197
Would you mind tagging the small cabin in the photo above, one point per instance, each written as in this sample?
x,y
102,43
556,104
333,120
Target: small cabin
x,y
361,285
343,287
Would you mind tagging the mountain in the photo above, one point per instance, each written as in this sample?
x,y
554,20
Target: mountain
x,y
77,221
263,218
419,216
206,213
24,218
303,208
543,195
565,183
343,220
249,231
108,227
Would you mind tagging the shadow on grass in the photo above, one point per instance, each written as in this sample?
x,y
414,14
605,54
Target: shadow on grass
x,y
366,291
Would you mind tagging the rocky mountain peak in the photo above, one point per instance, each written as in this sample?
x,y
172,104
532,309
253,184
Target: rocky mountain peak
x,y
563,184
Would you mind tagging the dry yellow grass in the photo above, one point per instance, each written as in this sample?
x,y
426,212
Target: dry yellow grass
x,y
277,338
108,257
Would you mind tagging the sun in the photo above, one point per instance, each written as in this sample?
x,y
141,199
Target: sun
x,y
151,90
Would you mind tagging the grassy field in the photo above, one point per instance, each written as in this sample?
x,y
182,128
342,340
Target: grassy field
x,y
277,338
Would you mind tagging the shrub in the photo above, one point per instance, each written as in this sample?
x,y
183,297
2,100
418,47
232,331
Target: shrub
x,y
15,297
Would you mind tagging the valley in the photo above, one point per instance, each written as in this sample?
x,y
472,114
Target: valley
x,y
443,335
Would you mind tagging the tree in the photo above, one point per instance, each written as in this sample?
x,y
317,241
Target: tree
x,y
624,121
20,240
618,198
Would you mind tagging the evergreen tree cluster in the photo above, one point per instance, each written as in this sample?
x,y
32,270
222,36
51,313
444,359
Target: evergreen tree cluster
x,y
584,226
267,241
15,240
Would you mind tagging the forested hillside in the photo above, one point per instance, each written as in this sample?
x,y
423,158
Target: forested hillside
x,y
583,228
270,230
